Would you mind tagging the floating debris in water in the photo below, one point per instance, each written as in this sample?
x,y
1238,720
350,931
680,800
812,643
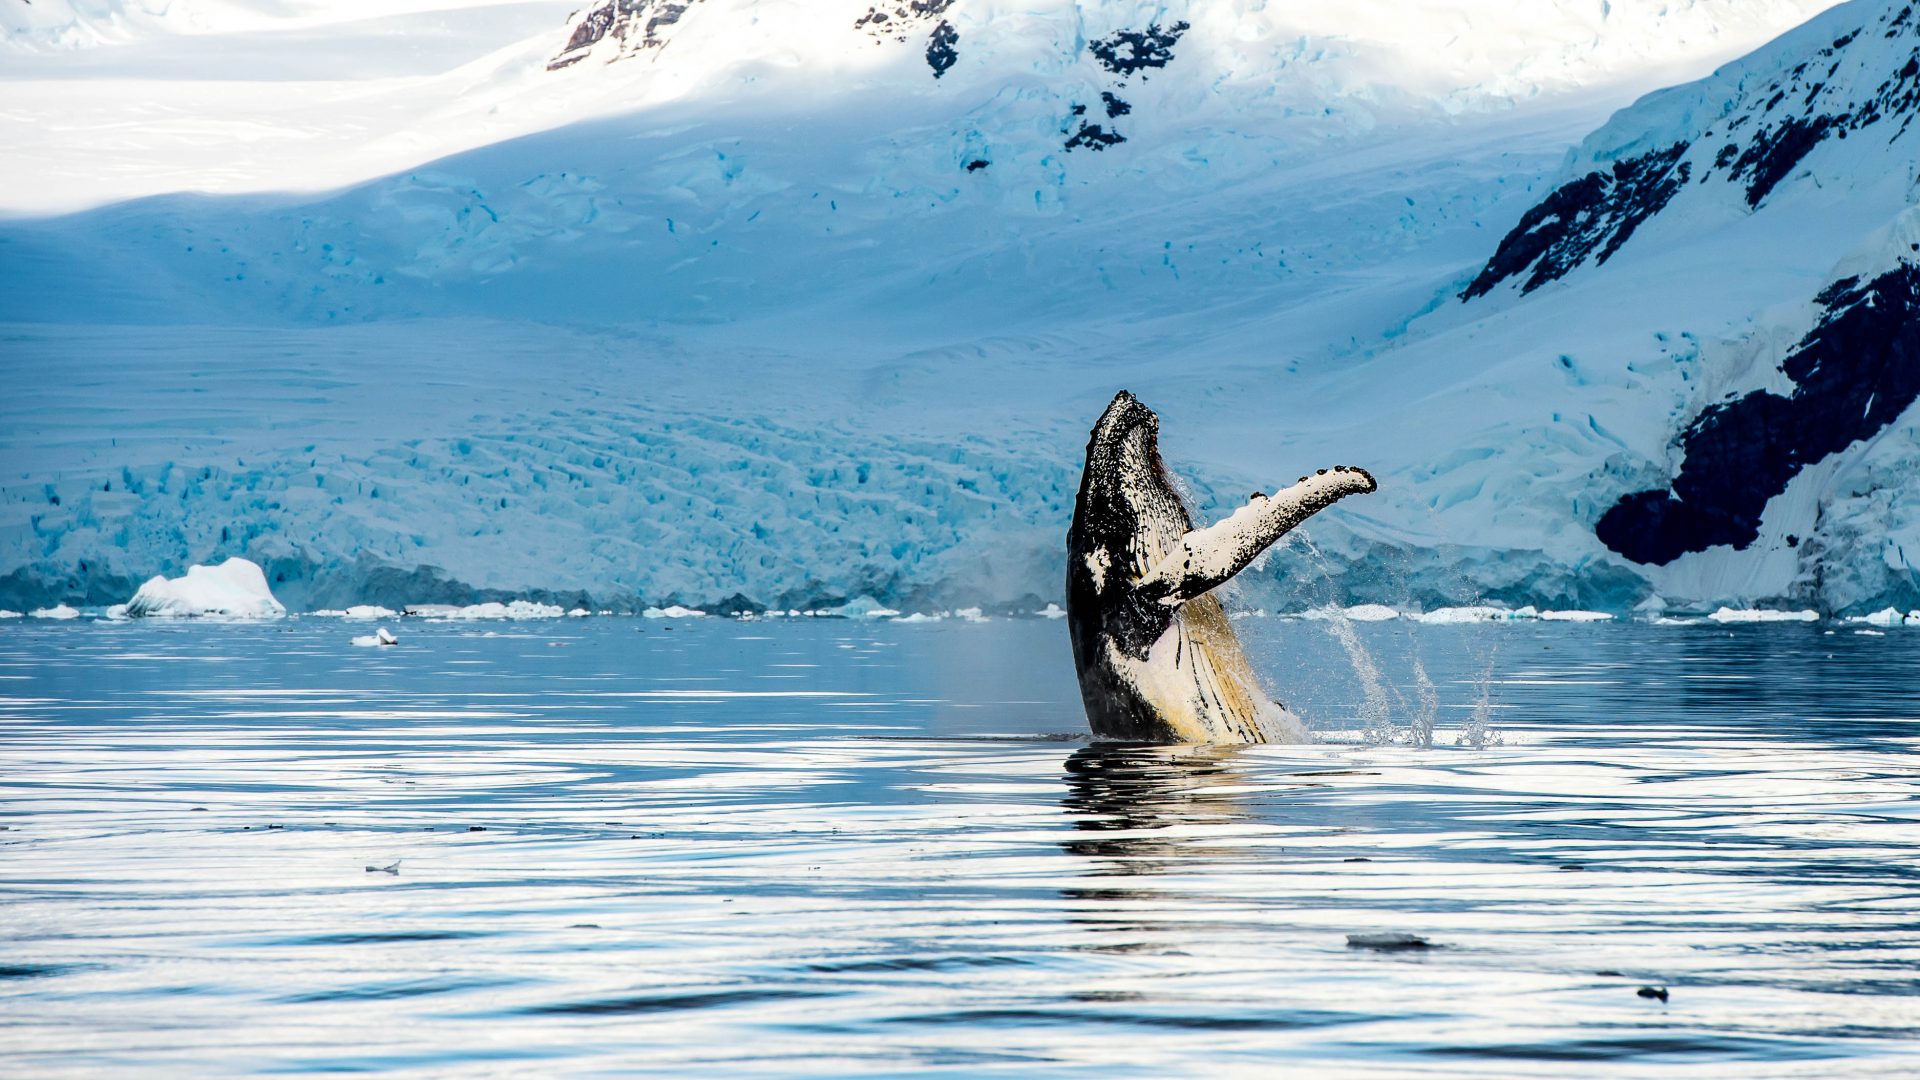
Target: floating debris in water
x,y
1387,942
1652,992
391,868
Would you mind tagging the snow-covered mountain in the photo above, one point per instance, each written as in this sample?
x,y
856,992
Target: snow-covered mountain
x,y
784,303
1775,200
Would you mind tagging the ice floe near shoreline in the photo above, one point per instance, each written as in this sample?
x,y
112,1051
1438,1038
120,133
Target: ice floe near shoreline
x,y
515,609
1449,616
235,589
673,611
358,611
1761,615
1887,617
232,590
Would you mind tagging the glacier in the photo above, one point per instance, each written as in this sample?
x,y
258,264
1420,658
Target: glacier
x,y
778,313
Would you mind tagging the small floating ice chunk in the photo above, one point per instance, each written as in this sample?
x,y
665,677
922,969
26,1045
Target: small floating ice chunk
x,y
5,614
673,611
382,636
1388,941
921,616
1052,611
1575,616
1759,615
57,611
971,614
1883,617
236,589
578,613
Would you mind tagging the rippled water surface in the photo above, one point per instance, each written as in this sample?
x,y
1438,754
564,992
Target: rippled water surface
x,y
613,846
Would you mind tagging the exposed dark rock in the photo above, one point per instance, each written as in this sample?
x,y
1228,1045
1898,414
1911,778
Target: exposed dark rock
x,y
1770,132
1094,137
977,164
1596,213
1854,374
635,24
1115,107
901,21
1124,52
737,604
1773,154
941,50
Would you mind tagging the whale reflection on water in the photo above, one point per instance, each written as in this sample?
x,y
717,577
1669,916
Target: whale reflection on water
x,y
1144,808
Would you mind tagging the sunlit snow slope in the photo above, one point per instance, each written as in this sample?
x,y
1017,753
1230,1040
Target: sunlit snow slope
x,y
785,303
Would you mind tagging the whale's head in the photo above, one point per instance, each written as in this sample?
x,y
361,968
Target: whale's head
x,y
1128,512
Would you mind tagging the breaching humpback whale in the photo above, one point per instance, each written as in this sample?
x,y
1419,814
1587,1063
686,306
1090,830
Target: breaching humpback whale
x,y
1158,659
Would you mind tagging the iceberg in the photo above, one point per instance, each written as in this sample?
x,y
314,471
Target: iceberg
x,y
57,611
236,589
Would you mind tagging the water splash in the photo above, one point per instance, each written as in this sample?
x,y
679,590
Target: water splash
x,y
1478,732
1421,728
1376,708
1382,700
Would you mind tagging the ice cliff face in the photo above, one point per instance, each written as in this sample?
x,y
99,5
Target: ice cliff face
x,y
773,303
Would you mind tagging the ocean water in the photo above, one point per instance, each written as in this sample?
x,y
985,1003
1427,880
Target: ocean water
x,y
615,846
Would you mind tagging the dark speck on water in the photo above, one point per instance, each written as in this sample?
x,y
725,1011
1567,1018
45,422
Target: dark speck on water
x,y
889,848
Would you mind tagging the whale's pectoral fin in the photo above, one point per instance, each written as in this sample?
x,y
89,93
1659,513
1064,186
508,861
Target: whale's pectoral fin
x,y
1207,557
